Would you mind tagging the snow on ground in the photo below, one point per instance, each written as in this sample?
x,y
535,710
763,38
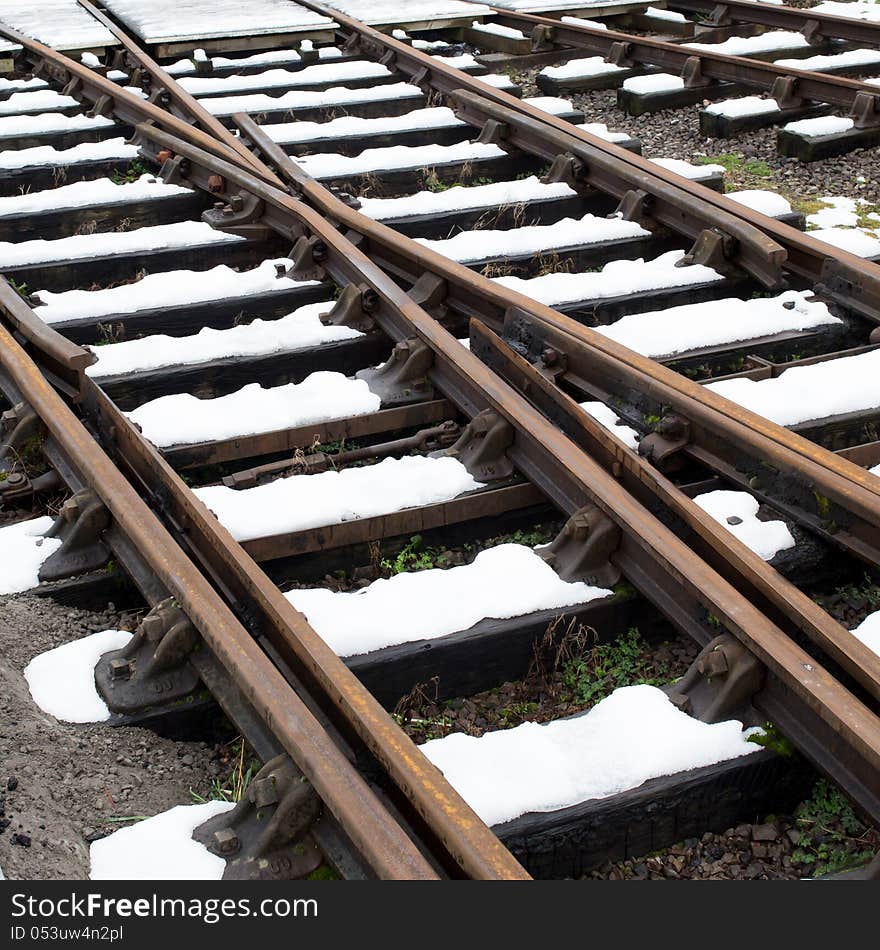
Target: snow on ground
x,y
717,322
747,105
600,130
749,45
856,241
653,82
380,12
608,417
823,125
496,29
299,330
272,57
299,502
20,102
63,24
88,194
336,97
838,212
468,246
688,169
85,246
160,848
814,391
62,681
84,152
868,631
858,10
581,68
13,126
169,289
459,198
633,735
284,78
330,165
195,19
509,580
185,419
738,512
616,279
767,202
23,549
848,59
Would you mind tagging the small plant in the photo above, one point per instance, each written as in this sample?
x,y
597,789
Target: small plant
x,y
131,174
20,288
771,738
414,556
609,666
233,786
831,836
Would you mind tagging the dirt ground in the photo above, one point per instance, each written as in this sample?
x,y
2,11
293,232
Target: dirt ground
x,y
62,785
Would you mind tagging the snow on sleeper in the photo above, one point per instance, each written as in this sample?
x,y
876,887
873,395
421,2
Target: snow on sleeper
x,y
300,502
299,330
23,549
335,97
633,735
89,194
509,580
185,419
815,391
165,290
616,279
738,512
284,78
108,150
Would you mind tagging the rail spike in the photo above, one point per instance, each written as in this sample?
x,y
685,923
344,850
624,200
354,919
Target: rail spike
x,y
266,836
720,683
152,669
583,549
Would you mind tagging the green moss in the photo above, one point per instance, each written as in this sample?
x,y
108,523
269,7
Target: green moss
x,y
773,739
324,873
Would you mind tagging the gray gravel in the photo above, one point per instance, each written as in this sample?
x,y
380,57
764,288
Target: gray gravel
x,y
60,784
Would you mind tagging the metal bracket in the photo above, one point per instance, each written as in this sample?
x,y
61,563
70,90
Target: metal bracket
x,y
712,248
542,38
635,206
103,107
152,669
582,550
306,257
353,308
566,168
429,292
662,445
403,378
692,73
493,132
619,54
240,214
720,15
18,425
812,33
784,91
175,170
482,447
266,836
82,521
720,683
866,110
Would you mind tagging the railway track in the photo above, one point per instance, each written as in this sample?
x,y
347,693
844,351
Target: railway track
x,y
262,381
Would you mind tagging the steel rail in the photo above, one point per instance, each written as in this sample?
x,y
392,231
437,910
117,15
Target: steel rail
x,y
812,23
852,281
178,96
545,455
374,832
630,48
107,96
748,568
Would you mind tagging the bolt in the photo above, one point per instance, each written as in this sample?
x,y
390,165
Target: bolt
x,y
226,841
121,669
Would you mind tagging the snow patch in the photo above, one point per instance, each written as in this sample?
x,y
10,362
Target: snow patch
x,y
738,512
653,82
395,157
581,69
284,78
300,502
608,418
748,105
88,194
749,45
185,419
160,848
633,735
62,681
334,97
23,549
766,202
509,580
823,125
84,152
868,631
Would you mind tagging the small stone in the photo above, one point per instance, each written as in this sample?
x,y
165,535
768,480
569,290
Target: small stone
x,y
187,760
754,870
743,831
793,835
760,850
21,839
11,783
769,832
